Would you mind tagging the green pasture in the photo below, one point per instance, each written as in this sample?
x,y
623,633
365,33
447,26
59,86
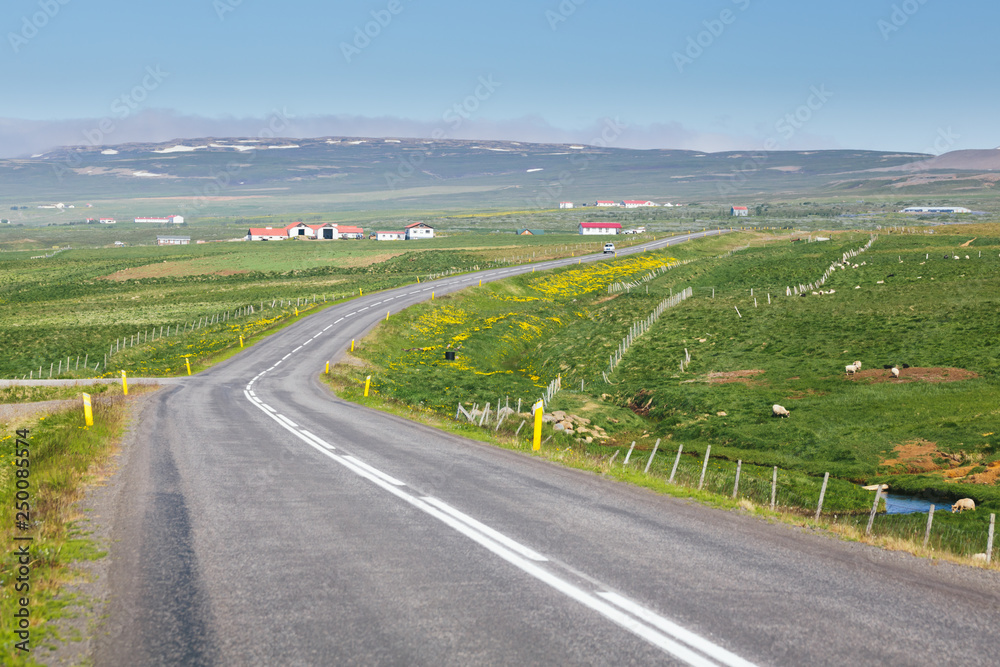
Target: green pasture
x,y
931,313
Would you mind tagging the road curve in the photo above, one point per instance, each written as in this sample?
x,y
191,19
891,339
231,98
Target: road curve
x,y
266,522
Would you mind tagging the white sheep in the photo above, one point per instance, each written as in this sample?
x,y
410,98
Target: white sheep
x,y
851,369
964,504
858,364
779,411
894,371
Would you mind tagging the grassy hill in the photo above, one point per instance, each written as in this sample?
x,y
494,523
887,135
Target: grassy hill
x,y
228,176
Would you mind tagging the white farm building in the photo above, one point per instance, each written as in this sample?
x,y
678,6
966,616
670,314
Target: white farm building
x,y
170,219
419,230
266,234
936,209
390,236
600,228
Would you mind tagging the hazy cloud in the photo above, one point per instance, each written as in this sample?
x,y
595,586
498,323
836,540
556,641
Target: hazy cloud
x,y
20,137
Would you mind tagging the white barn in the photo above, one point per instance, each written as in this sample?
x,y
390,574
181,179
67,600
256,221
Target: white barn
x,y
565,204
390,236
637,203
325,232
599,228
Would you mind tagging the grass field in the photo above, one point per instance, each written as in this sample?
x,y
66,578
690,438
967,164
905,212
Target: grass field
x,y
935,428
74,306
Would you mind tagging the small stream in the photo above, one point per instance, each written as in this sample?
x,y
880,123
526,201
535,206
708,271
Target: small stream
x,y
899,504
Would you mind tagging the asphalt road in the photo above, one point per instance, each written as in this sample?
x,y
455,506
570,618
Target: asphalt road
x,y
265,522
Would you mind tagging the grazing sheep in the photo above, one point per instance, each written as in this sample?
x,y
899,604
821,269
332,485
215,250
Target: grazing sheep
x,y
778,411
964,504
906,365
880,282
894,371
851,369
858,364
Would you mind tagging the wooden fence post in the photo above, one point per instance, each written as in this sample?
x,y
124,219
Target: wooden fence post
x,y
704,467
650,461
871,517
629,455
673,471
774,486
989,540
930,520
822,493
736,484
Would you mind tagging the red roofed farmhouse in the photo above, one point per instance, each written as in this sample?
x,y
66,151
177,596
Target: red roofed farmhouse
x,y
266,234
599,228
419,230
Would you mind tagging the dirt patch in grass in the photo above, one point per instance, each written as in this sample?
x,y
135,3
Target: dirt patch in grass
x,y
989,476
917,456
969,242
956,473
727,377
876,375
606,298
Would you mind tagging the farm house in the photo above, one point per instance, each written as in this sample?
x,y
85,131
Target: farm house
x,y
599,228
419,230
266,234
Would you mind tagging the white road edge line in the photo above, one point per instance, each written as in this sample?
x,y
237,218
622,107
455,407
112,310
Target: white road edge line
x,y
486,530
375,471
315,439
691,639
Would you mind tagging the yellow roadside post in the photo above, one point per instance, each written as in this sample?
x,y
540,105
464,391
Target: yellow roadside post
x,y
360,293
328,368
432,296
480,282
538,409
387,316
124,384
352,345
368,384
187,362
418,279
296,311
88,413
241,340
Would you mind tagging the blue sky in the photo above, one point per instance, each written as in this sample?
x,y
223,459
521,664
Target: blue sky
x,y
913,75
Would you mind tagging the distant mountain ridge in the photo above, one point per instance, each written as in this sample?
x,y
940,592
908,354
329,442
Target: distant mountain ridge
x,y
416,173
